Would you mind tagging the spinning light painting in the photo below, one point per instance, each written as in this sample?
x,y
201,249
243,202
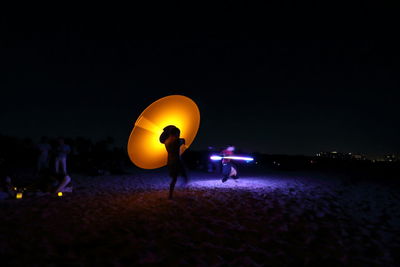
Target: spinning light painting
x,y
144,147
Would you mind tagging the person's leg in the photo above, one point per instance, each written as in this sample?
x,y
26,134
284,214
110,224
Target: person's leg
x,y
46,162
63,183
233,173
172,186
64,164
226,170
41,163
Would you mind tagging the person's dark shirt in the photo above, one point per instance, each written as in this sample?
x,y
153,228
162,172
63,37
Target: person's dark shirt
x,y
63,150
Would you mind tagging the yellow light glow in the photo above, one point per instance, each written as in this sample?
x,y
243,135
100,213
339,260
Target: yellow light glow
x,y
19,195
59,194
144,147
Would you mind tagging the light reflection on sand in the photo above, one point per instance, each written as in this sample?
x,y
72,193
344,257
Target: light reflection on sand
x,y
242,183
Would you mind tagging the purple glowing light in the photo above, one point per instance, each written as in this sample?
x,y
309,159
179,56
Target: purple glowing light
x,y
244,182
215,158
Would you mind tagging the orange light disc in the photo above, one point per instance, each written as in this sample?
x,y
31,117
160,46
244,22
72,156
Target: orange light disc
x,y
144,147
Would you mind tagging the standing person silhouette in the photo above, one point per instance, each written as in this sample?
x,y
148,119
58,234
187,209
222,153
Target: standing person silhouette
x,y
61,156
172,141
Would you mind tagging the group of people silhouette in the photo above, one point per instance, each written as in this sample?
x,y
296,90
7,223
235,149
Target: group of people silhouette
x,y
59,176
50,179
60,155
52,161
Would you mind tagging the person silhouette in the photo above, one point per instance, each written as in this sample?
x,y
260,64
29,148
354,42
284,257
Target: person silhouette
x,y
172,141
228,168
61,156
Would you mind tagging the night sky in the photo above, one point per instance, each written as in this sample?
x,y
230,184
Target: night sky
x,y
93,78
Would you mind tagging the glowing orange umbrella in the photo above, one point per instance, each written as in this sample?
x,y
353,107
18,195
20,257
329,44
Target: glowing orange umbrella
x,y
144,147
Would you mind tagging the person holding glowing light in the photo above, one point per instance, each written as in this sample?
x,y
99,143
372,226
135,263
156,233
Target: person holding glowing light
x,y
172,141
228,169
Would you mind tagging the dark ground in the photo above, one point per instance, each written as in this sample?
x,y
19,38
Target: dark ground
x,y
272,218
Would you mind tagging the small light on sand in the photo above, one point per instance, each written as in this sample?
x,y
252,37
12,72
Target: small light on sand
x,y
19,195
59,194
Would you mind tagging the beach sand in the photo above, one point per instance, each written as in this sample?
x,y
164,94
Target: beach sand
x,y
262,219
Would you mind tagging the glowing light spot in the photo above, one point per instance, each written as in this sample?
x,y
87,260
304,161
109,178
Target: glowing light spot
x,y
59,194
19,195
242,183
146,124
144,147
214,157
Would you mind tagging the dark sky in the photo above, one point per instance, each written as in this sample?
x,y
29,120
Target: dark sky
x,y
92,78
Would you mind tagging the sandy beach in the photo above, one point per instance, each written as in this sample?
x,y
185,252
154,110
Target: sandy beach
x,y
271,219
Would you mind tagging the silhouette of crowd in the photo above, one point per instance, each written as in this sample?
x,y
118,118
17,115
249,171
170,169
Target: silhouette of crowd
x,y
57,156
